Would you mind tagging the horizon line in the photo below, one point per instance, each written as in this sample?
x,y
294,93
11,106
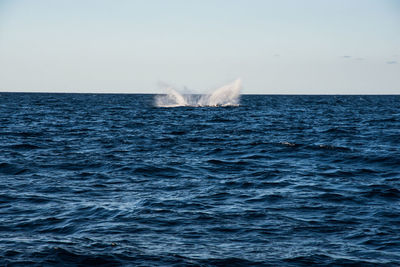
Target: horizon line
x,y
121,93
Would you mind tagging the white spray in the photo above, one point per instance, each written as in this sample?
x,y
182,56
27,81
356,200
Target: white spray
x,y
227,95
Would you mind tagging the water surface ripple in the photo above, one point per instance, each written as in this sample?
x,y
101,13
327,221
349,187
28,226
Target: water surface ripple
x,y
113,180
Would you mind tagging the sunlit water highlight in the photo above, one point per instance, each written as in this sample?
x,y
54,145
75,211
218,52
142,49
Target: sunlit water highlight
x,y
227,95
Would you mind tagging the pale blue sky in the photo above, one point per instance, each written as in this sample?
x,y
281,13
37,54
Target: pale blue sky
x,y
276,47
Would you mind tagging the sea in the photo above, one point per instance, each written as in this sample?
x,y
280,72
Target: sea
x,y
274,180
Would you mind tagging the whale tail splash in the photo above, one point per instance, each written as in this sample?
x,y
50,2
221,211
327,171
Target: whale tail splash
x,y
227,95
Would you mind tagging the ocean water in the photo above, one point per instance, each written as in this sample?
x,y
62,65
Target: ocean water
x,y
114,180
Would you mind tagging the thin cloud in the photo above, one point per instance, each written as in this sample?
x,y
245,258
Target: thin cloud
x,y
346,56
391,62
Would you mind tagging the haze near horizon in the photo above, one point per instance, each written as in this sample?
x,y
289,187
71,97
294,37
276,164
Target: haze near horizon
x,y
275,47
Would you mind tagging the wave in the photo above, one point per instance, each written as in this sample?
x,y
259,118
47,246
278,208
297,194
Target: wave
x,y
227,95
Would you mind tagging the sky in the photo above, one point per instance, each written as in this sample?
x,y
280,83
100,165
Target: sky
x,y
139,46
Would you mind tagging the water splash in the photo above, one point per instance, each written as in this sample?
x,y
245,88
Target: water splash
x,y
227,95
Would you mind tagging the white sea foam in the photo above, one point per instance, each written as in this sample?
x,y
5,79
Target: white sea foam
x,y
227,95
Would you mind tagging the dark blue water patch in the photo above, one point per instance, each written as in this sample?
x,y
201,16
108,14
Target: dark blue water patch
x,y
12,169
112,180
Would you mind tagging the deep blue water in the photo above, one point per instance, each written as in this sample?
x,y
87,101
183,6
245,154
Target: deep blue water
x,y
91,179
